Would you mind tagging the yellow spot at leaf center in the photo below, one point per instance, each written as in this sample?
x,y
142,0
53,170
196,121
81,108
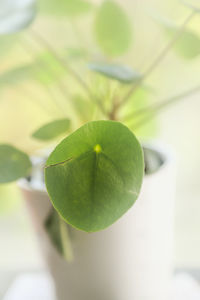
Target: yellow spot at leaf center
x,y
97,148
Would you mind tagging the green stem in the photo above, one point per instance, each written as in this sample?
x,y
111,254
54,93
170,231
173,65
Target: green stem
x,y
63,90
66,241
158,59
38,37
77,33
149,112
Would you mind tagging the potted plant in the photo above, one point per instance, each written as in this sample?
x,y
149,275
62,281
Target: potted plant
x,y
97,245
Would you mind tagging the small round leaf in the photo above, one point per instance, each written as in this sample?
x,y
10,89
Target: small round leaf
x,y
15,75
120,73
94,175
193,4
14,164
187,45
112,29
52,130
15,15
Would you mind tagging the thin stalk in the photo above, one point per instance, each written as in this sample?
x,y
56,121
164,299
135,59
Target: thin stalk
x,y
149,112
66,241
62,88
77,33
158,59
38,37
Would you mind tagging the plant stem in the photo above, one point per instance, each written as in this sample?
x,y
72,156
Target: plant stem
x,y
149,112
67,67
66,241
63,90
77,33
158,59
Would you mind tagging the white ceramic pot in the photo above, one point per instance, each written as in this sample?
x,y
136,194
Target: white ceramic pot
x,y
131,260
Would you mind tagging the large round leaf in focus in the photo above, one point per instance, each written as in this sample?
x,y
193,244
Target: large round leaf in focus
x,y
94,175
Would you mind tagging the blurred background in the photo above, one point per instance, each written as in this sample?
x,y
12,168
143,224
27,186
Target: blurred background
x,y
25,105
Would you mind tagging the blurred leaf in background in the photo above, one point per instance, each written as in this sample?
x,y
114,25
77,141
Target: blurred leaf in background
x,y
188,44
84,107
14,164
15,75
113,29
52,130
16,15
141,99
47,70
193,4
6,44
121,73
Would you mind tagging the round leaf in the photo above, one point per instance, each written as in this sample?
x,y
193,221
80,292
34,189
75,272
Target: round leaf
x,y
94,175
193,4
48,63
16,15
52,130
187,45
121,73
14,164
65,7
7,43
15,75
112,29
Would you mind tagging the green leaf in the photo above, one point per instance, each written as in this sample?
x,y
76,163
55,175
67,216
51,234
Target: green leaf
x,y
193,4
112,29
16,15
187,45
47,70
84,108
52,130
7,43
65,7
121,73
15,75
59,234
141,99
14,164
94,175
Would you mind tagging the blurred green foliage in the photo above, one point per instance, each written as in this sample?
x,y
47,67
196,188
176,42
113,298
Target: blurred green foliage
x,y
113,29
48,63
65,8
